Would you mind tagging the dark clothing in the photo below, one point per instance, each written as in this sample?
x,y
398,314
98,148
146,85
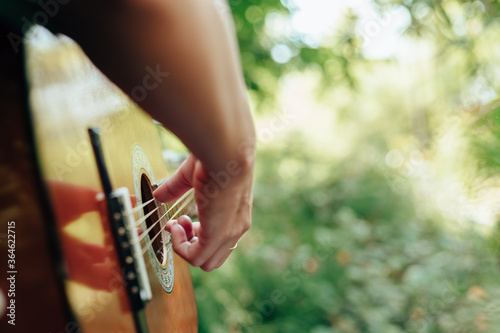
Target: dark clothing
x,y
18,15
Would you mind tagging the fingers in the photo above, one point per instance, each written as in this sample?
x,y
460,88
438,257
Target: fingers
x,y
187,225
196,228
176,185
209,249
190,228
187,245
193,252
207,254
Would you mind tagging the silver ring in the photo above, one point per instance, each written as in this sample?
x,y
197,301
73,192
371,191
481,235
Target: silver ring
x,y
235,246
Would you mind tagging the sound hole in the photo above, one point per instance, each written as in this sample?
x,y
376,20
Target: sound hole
x,y
159,243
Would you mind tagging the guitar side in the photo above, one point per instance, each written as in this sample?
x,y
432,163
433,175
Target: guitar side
x,y
36,256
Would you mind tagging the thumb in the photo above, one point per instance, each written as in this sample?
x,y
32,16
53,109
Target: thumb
x,y
176,185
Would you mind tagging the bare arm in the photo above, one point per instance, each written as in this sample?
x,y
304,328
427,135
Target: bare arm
x,y
202,100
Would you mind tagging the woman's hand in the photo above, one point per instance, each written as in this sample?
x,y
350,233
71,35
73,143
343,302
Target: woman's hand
x,y
224,201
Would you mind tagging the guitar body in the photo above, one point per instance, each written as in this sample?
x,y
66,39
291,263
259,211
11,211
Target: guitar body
x,y
81,276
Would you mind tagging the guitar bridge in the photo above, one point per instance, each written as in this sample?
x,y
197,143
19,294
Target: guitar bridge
x,y
129,248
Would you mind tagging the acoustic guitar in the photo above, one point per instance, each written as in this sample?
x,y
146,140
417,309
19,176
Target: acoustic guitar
x,y
82,243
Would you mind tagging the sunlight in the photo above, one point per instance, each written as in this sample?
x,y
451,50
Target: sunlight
x,y
314,20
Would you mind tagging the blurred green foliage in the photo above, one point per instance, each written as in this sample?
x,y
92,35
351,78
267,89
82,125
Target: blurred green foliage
x,y
358,241
348,256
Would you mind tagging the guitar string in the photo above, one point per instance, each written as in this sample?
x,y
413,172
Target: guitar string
x,y
138,208
184,196
142,219
145,248
168,211
140,238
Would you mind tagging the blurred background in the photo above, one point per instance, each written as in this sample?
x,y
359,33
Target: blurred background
x,y
377,190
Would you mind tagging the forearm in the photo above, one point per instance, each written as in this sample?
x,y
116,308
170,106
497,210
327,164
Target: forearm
x,y
202,100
